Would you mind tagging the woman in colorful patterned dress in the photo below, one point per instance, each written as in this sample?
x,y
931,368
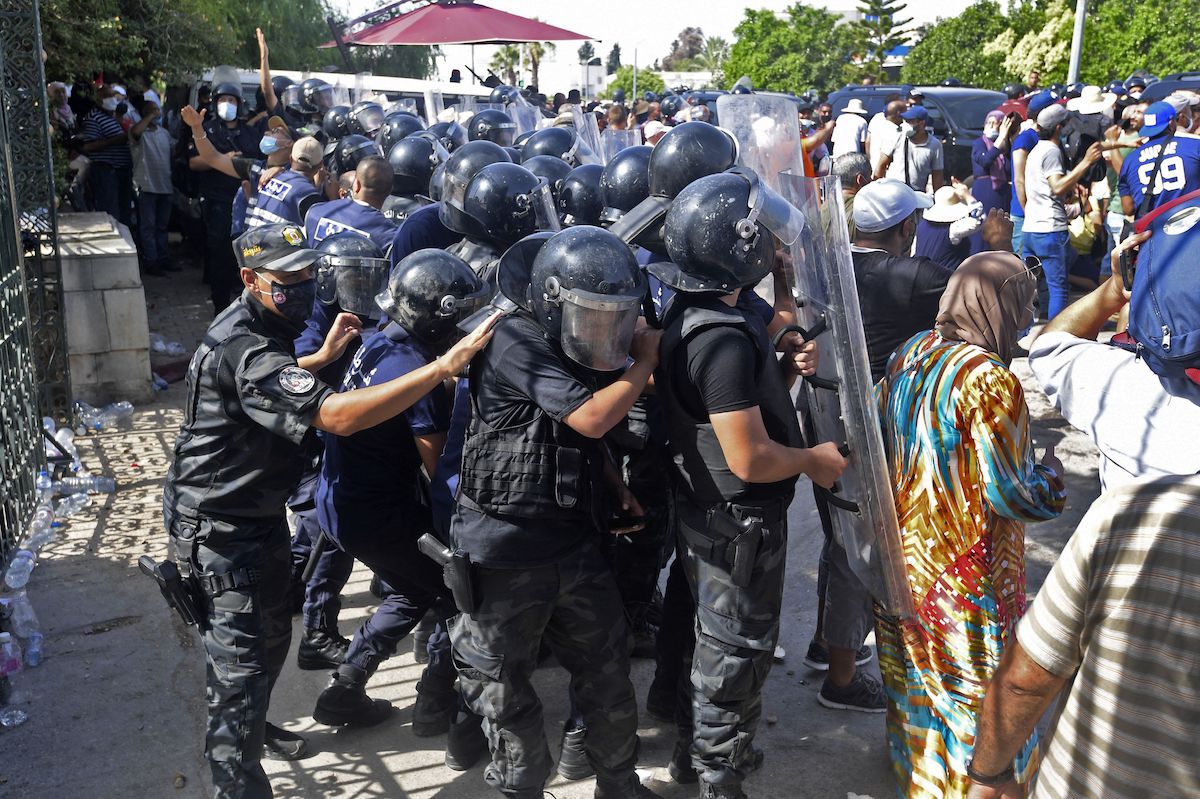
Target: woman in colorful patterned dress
x,y
956,429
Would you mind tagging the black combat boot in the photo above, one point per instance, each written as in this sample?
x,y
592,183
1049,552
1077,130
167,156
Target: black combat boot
x,y
321,650
710,791
680,767
573,763
281,744
345,701
643,632
434,708
466,744
630,788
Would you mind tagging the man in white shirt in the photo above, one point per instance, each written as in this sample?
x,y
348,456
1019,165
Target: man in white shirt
x,y
850,130
916,156
883,129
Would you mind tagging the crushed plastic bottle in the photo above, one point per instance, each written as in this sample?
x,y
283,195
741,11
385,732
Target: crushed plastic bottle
x,y
160,383
66,439
45,486
71,505
33,650
117,416
49,423
11,660
22,620
13,717
87,417
96,483
19,569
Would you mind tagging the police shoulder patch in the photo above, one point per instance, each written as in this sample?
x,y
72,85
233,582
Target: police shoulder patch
x,y
295,380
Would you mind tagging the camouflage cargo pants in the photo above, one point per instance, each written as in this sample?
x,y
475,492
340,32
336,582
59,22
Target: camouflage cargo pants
x,y
574,604
736,632
250,630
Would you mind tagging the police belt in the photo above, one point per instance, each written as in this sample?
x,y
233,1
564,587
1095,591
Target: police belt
x,y
211,584
731,534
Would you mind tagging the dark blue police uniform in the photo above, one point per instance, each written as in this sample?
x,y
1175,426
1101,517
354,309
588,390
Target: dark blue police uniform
x,y
422,229
336,216
284,198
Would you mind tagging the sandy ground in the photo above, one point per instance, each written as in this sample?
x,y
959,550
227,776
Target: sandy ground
x,y
117,708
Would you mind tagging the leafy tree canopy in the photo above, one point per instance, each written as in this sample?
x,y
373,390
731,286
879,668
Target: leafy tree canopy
x,y
804,48
647,81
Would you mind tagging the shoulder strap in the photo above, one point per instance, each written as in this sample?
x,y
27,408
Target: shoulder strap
x,y
907,178
1144,205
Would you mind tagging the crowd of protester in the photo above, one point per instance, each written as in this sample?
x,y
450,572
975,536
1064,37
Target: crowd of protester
x,y
953,275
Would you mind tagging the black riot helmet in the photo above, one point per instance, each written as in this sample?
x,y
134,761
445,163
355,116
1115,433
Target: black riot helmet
x,y
350,272
560,142
435,184
394,127
352,149
952,81
586,292
227,89
554,170
429,292
463,164
514,154
504,95
669,106
365,118
316,96
619,97
721,232
492,125
1074,90
413,161
452,134
625,182
280,83
1014,91
336,122
508,202
293,99
579,200
519,142
688,152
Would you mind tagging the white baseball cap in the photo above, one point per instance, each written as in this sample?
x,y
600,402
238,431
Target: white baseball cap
x,y
885,203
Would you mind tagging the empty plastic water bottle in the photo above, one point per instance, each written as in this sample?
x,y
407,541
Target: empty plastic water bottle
x,y
72,505
117,416
13,717
160,383
33,650
66,439
22,620
87,416
10,655
45,486
97,483
49,423
19,569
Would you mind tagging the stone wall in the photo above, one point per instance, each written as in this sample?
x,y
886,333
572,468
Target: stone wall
x,y
108,339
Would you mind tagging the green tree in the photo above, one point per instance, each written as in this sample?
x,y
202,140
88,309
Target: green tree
x,y
712,57
959,46
586,52
1125,35
613,62
532,54
505,63
878,31
647,81
808,47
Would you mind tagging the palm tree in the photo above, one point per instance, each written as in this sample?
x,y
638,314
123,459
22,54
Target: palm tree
x,y
531,58
505,62
714,54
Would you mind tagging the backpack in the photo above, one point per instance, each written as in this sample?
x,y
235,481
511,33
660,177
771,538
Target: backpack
x,y
1164,308
1080,132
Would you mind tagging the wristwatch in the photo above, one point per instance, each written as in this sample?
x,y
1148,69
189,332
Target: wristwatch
x,y
989,780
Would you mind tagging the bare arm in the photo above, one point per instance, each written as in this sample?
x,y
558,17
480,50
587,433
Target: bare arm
x,y
264,72
608,406
881,168
345,328
1017,697
137,130
1085,317
1127,205
430,449
1062,184
937,178
755,458
350,411
104,144
1019,157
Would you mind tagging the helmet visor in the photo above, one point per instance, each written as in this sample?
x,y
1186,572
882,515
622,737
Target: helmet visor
x,y
322,98
292,96
541,203
597,329
370,119
769,209
355,280
454,189
460,308
580,154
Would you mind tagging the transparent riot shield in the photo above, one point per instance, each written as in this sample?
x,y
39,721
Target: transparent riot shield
x,y
526,116
226,74
434,105
614,141
840,396
588,130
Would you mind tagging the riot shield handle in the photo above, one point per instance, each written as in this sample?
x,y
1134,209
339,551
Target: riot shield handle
x,y
808,335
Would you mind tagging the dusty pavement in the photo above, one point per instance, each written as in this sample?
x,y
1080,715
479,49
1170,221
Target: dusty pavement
x,y
117,708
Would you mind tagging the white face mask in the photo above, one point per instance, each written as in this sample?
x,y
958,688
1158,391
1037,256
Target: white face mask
x,y
908,130
110,103
992,134
227,111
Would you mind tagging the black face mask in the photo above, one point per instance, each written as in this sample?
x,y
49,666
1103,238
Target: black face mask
x,y
294,301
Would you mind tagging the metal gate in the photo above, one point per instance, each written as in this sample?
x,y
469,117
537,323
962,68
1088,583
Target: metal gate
x,y
33,355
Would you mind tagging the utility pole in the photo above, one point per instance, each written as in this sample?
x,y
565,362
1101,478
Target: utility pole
x,y
1077,41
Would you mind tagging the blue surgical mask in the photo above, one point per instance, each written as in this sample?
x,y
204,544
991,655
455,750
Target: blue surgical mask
x,y
227,111
268,145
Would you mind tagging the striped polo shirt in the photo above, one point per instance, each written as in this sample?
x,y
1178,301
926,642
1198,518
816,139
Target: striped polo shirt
x,y
99,125
1121,611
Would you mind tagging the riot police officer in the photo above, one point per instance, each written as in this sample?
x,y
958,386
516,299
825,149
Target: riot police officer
x,y
625,182
360,212
553,170
579,201
532,499
503,203
462,167
251,406
371,497
396,126
492,125
414,160
737,452
365,118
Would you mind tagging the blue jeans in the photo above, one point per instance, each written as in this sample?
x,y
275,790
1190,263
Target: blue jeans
x,y
1051,249
154,215
1018,224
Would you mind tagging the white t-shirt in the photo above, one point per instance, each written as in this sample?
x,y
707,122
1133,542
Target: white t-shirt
x,y
923,160
849,134
1044,212
883,137
1143,425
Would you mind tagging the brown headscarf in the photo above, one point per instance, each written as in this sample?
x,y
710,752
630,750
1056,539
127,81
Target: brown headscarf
x,y
987,302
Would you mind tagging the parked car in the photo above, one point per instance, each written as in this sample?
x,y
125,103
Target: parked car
x,y
955,112
1185,81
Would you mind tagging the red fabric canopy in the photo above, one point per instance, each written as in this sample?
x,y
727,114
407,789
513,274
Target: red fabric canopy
x,y
459,23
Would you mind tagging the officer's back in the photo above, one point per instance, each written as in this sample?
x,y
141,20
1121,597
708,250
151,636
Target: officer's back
x,y
360,212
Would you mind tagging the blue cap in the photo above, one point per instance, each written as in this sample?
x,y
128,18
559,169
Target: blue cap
x,y
1156,118
1043,99
916,112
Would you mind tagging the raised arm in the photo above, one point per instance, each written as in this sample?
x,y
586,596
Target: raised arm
x,y
206,156
264,73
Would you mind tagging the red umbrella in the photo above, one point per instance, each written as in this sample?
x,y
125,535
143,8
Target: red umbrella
x,y
459,22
